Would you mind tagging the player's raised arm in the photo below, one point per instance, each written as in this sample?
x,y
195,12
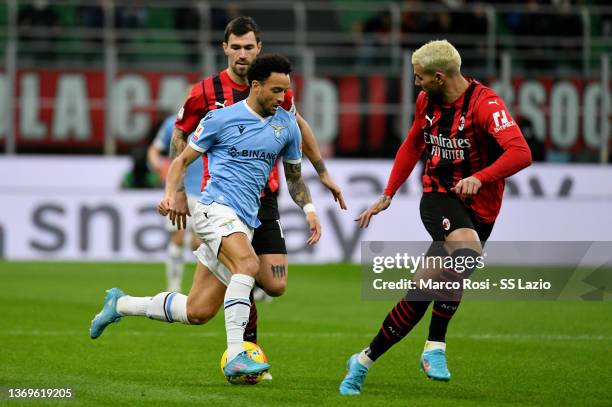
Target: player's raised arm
x,y
311,150
301,196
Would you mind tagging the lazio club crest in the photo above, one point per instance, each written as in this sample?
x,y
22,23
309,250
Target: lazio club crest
x,y
277,129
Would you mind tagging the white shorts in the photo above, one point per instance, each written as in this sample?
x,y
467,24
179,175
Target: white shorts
x,y
212,223
191,204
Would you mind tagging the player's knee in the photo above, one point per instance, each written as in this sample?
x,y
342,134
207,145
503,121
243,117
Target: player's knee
x,y
465,261
199,315
248,264
277,288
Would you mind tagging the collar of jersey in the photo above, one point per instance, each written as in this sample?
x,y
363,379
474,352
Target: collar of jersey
x,y
254,113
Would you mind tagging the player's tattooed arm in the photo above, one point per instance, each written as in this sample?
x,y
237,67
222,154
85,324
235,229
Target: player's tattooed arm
x,y
177,145
179,142
295,184
301,195
319,166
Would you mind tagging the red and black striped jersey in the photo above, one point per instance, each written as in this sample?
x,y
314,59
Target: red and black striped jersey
x,y
473,136
218,91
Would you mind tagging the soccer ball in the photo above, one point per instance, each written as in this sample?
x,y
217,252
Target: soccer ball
x,y
257,354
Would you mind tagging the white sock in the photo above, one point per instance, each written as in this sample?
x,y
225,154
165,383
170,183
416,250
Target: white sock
x,y
133,306
174,267
166,307
432,345
365,360
237,306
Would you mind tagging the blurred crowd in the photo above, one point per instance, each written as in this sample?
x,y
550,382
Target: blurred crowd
x,y
532,29
557,27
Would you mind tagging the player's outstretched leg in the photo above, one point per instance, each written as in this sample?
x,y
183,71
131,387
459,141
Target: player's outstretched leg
x,y
399,321
166,307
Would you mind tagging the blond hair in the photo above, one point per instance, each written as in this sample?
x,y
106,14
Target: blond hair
x,y
438,56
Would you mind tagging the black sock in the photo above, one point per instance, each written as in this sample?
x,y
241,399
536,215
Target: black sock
x,y
444,308
399,321
441,314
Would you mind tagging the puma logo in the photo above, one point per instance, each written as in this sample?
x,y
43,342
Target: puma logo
x,y
493,102
221,105
430,120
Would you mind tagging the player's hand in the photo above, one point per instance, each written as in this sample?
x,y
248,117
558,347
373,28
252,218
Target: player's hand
x,y
364,219
334,189
315,227
164,205
467,187
176,208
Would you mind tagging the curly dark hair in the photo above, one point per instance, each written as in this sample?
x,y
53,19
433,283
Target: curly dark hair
x,y
263,66
240,26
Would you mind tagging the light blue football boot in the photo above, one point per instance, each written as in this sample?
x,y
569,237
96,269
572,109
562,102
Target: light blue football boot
x,y
243,365
108,315
354,377
433,363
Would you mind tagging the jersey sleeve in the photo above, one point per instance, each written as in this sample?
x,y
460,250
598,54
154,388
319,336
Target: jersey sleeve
x,y
409,152
192,110
206,133
292,152
288,103
495,119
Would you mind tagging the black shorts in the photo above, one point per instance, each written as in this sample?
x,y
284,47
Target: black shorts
x,y
268,238
443,213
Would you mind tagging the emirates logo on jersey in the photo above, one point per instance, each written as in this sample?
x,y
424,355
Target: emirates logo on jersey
x,y
447,148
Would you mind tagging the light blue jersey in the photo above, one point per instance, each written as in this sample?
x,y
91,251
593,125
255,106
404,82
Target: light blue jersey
x,y
195,171
242,147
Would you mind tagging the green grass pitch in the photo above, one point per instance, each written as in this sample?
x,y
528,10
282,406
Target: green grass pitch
x,y
500,353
